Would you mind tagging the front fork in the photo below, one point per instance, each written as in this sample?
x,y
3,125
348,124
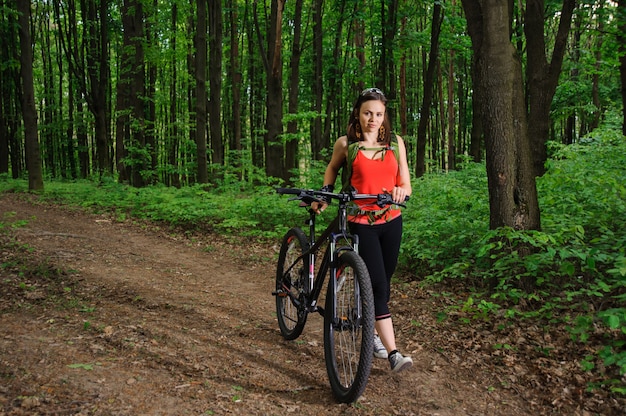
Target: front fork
x,y
337,281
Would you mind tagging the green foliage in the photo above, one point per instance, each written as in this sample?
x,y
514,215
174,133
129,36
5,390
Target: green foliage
x,y
571,272
445,216
575,265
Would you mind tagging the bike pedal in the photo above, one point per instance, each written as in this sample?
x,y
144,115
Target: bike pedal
x,y
320,310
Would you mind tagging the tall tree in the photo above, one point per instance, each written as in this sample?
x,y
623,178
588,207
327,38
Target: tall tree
x,y
29,111
291,146
543,75
131,123
622,57
513,198
334,73
74,52
216,29
274,159
235,76
200,65
150,92
386,73
172,176
317,140
429,78
451,125
96,89
10,94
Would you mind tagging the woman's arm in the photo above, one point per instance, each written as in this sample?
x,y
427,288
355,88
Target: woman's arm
x,y
340,152
403,187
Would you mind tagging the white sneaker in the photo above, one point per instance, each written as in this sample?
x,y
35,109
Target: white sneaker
x,y
399,363
379,348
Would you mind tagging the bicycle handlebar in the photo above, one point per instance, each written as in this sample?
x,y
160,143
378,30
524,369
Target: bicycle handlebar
x,y
311,195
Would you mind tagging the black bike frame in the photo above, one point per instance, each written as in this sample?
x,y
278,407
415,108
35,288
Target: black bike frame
x,y
336,231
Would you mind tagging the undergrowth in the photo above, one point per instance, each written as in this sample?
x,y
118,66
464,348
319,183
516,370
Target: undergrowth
x,y
574,272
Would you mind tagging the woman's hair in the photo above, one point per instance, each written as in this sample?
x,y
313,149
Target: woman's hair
x,y
384,135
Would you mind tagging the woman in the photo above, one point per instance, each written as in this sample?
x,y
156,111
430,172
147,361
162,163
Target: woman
x,y
375,169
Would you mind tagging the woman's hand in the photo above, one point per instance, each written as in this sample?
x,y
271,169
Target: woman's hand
x,y
318,207
398,194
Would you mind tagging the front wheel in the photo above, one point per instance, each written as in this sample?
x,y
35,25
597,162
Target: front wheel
x,y
349,328
291,284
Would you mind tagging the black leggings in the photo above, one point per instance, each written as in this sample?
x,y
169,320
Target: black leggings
x,y
379,246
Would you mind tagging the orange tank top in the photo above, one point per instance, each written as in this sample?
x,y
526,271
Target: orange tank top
x,y
371,176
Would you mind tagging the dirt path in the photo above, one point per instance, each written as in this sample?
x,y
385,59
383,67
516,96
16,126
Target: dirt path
x,y
126,320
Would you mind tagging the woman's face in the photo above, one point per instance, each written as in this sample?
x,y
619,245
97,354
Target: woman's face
x,y
371,115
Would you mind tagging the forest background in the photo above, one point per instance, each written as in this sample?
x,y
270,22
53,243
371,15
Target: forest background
x,y
169,102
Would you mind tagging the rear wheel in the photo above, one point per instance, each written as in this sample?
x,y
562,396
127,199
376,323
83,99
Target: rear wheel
x,y
291,284
349,332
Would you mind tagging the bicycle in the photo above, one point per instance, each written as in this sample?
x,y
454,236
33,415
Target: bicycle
x,y
349,306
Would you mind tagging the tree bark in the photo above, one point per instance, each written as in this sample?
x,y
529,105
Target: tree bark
x,y
150,96
317,87
451,124
334,81
512,191
98,78
420,167
138,93
216,26
291,147
386,77
542,75
622,57
274,159
11,95
202,175
172,176
235,75
29,112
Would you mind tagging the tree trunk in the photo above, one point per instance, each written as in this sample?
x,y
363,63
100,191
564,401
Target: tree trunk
x,y
386,77
4,132
132,160
543,76
334,82
29,112
172,176
420,167
10,96
622,58
202,175
216,26
97,72
359,37
150,99
512,192
403,110
595,78
451,124
317,86
122,109
476,135
291,147
138,93
257,58
274,159
48,134
235,76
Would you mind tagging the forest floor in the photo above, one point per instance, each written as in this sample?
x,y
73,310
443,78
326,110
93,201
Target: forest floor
x,y
100,317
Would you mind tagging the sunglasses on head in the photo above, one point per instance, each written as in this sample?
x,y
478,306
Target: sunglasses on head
x,y
372,91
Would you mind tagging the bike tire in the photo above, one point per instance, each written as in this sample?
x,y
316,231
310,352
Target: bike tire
x,y
349,343
292,284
